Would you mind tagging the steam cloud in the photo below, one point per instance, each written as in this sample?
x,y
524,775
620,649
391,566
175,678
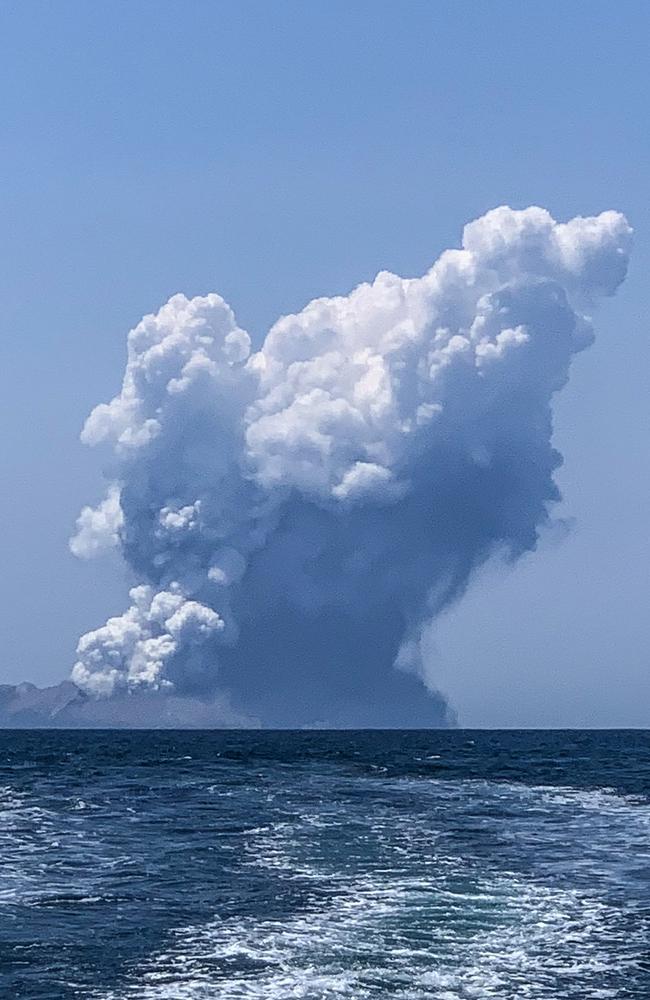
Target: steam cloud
x,y
296,515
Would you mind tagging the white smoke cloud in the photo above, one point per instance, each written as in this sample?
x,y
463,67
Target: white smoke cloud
x,y
137,648
348,476
98,528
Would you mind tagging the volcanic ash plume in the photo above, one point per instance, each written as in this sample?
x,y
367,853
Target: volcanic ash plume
x,y
294,516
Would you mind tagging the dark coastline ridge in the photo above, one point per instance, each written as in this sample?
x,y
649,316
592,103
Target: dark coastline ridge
x,y
66,706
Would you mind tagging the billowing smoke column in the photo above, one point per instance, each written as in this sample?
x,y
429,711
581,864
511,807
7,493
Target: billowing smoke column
x,y
296,515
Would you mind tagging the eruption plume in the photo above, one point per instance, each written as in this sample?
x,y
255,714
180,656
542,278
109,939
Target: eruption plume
x,y
294,516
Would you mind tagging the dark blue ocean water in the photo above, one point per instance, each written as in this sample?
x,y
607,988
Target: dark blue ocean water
x,y
277,865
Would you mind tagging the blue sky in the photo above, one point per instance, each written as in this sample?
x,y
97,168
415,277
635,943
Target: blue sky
x,y
278,152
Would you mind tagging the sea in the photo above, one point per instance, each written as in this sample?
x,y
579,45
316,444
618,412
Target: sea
x,y
456,865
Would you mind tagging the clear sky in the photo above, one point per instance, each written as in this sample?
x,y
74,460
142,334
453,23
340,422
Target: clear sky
x,y
274,152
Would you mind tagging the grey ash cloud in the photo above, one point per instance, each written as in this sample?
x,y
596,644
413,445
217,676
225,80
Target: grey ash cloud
x,y
295,516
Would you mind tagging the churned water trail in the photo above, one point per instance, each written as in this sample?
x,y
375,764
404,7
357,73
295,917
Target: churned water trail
x,y
449,865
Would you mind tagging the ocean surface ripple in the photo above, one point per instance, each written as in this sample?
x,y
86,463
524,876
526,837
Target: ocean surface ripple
x,y
273,865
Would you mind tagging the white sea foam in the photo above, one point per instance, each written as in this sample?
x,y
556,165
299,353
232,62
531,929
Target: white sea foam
x,y
406,915
47,855
22,824
501,938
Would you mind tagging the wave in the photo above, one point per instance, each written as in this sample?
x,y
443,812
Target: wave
x,y
398,905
